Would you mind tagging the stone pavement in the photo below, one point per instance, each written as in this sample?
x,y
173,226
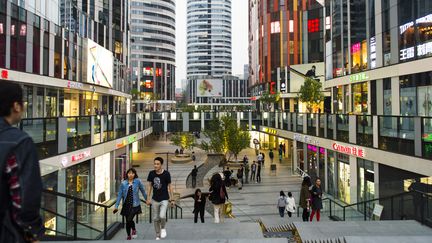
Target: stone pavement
x,y
254,201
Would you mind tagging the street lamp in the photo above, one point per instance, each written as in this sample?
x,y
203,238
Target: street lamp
x,y
167,153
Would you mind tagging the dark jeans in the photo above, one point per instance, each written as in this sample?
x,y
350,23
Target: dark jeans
x,y
130,225
282,211
193,182
258,176
201,213
305,215
252,177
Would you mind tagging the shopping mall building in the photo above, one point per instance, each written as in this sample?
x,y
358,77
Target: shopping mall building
x,y
378,139
73,70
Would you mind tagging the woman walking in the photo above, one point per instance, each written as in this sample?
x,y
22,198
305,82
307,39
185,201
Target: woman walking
x,y
316,200
199,205
291,206
129,193
305,198
282,203
218,196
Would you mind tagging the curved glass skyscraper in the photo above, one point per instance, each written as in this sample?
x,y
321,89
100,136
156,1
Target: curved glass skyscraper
x,y
153,49
208,38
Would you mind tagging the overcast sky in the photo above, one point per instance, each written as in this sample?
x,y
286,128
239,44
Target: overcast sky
x,y
239,38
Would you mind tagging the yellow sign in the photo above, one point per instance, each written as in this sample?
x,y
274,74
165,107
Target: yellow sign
x,y
269,130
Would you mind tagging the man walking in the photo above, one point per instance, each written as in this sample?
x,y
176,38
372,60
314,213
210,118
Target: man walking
x,y
253,169
159,183
240,177
246,169
271,155
194,174
259,173
20,179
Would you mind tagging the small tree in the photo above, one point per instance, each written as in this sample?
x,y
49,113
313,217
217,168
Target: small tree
x,y
225,136
184,140
311,93
268,99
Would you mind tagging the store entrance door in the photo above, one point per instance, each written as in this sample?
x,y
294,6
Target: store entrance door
x,y
83,187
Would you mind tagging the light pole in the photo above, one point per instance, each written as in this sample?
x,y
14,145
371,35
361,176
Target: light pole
x,y
167,153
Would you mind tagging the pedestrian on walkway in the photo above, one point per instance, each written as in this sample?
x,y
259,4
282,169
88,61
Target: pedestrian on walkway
x,y
263,159
305,198
260,158
218,196
20,179
177,152
246,175
193,156
280,146
291,206
283,149
194,174
253,169
245,160
129,194
199,205
271,156
282,203
316,200
227,175
159,183
240,177
280,155
258,173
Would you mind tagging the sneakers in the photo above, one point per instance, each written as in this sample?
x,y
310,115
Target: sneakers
x,y
128,238
157,238
163,233
134,234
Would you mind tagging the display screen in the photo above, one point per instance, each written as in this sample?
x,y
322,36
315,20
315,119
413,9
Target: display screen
x,y
209,87
99,65
102,178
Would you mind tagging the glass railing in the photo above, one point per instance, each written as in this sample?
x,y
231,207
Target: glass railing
x,y
342,128
427,138
120,126
365,130
132,123
78,132
311,124
108,134
396,134
321,129
299,120
43,131
97,126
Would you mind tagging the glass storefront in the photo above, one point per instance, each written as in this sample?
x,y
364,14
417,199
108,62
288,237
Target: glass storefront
x,y
102,192
331,173
78,185
300,155
49,202
360,97
343,181
366,180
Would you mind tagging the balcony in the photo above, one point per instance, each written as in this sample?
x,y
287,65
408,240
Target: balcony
x,y
54,136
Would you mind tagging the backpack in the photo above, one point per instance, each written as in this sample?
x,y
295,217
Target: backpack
x,y
282,202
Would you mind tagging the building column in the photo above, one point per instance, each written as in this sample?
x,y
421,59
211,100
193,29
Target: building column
x,y
376,179
61,201
418,136
395,95
165,118
325,171
352,128
294,155
380,96
185,116
202,121
250,120
375,134
62,135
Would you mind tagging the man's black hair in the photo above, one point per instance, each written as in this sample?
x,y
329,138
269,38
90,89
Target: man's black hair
x,y
9,94
159,159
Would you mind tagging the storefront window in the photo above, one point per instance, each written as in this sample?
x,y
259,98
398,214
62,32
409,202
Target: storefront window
x,y
28,101
331,173
40,102
103,178
2,39
78,185
387,96
343,184
360,97
366,181
49,202
425,101
51,103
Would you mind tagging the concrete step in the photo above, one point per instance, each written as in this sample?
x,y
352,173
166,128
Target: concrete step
x,y
185,229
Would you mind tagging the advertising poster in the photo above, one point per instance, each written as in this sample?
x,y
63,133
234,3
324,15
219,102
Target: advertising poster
x,y
102,178
209,87
99,65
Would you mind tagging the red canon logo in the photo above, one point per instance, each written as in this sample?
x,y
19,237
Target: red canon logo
x,y
351,150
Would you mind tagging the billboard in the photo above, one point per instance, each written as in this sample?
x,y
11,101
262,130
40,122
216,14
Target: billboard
x,y
100,63
297,80
209,87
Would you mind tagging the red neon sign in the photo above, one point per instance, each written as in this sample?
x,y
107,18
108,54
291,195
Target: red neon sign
x,y
80,156
4,74
272,84
349,149
313,25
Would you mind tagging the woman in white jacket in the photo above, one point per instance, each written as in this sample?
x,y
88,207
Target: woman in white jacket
x,y
291,205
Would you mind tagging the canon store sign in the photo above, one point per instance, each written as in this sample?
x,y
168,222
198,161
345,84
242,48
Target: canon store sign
x,y
349,149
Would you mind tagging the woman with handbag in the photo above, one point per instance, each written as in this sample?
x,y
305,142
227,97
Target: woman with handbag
x,y
316,193
129,193
305,197
218,196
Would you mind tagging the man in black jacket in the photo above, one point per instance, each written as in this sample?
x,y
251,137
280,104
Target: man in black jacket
x,y
194,174
20,179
